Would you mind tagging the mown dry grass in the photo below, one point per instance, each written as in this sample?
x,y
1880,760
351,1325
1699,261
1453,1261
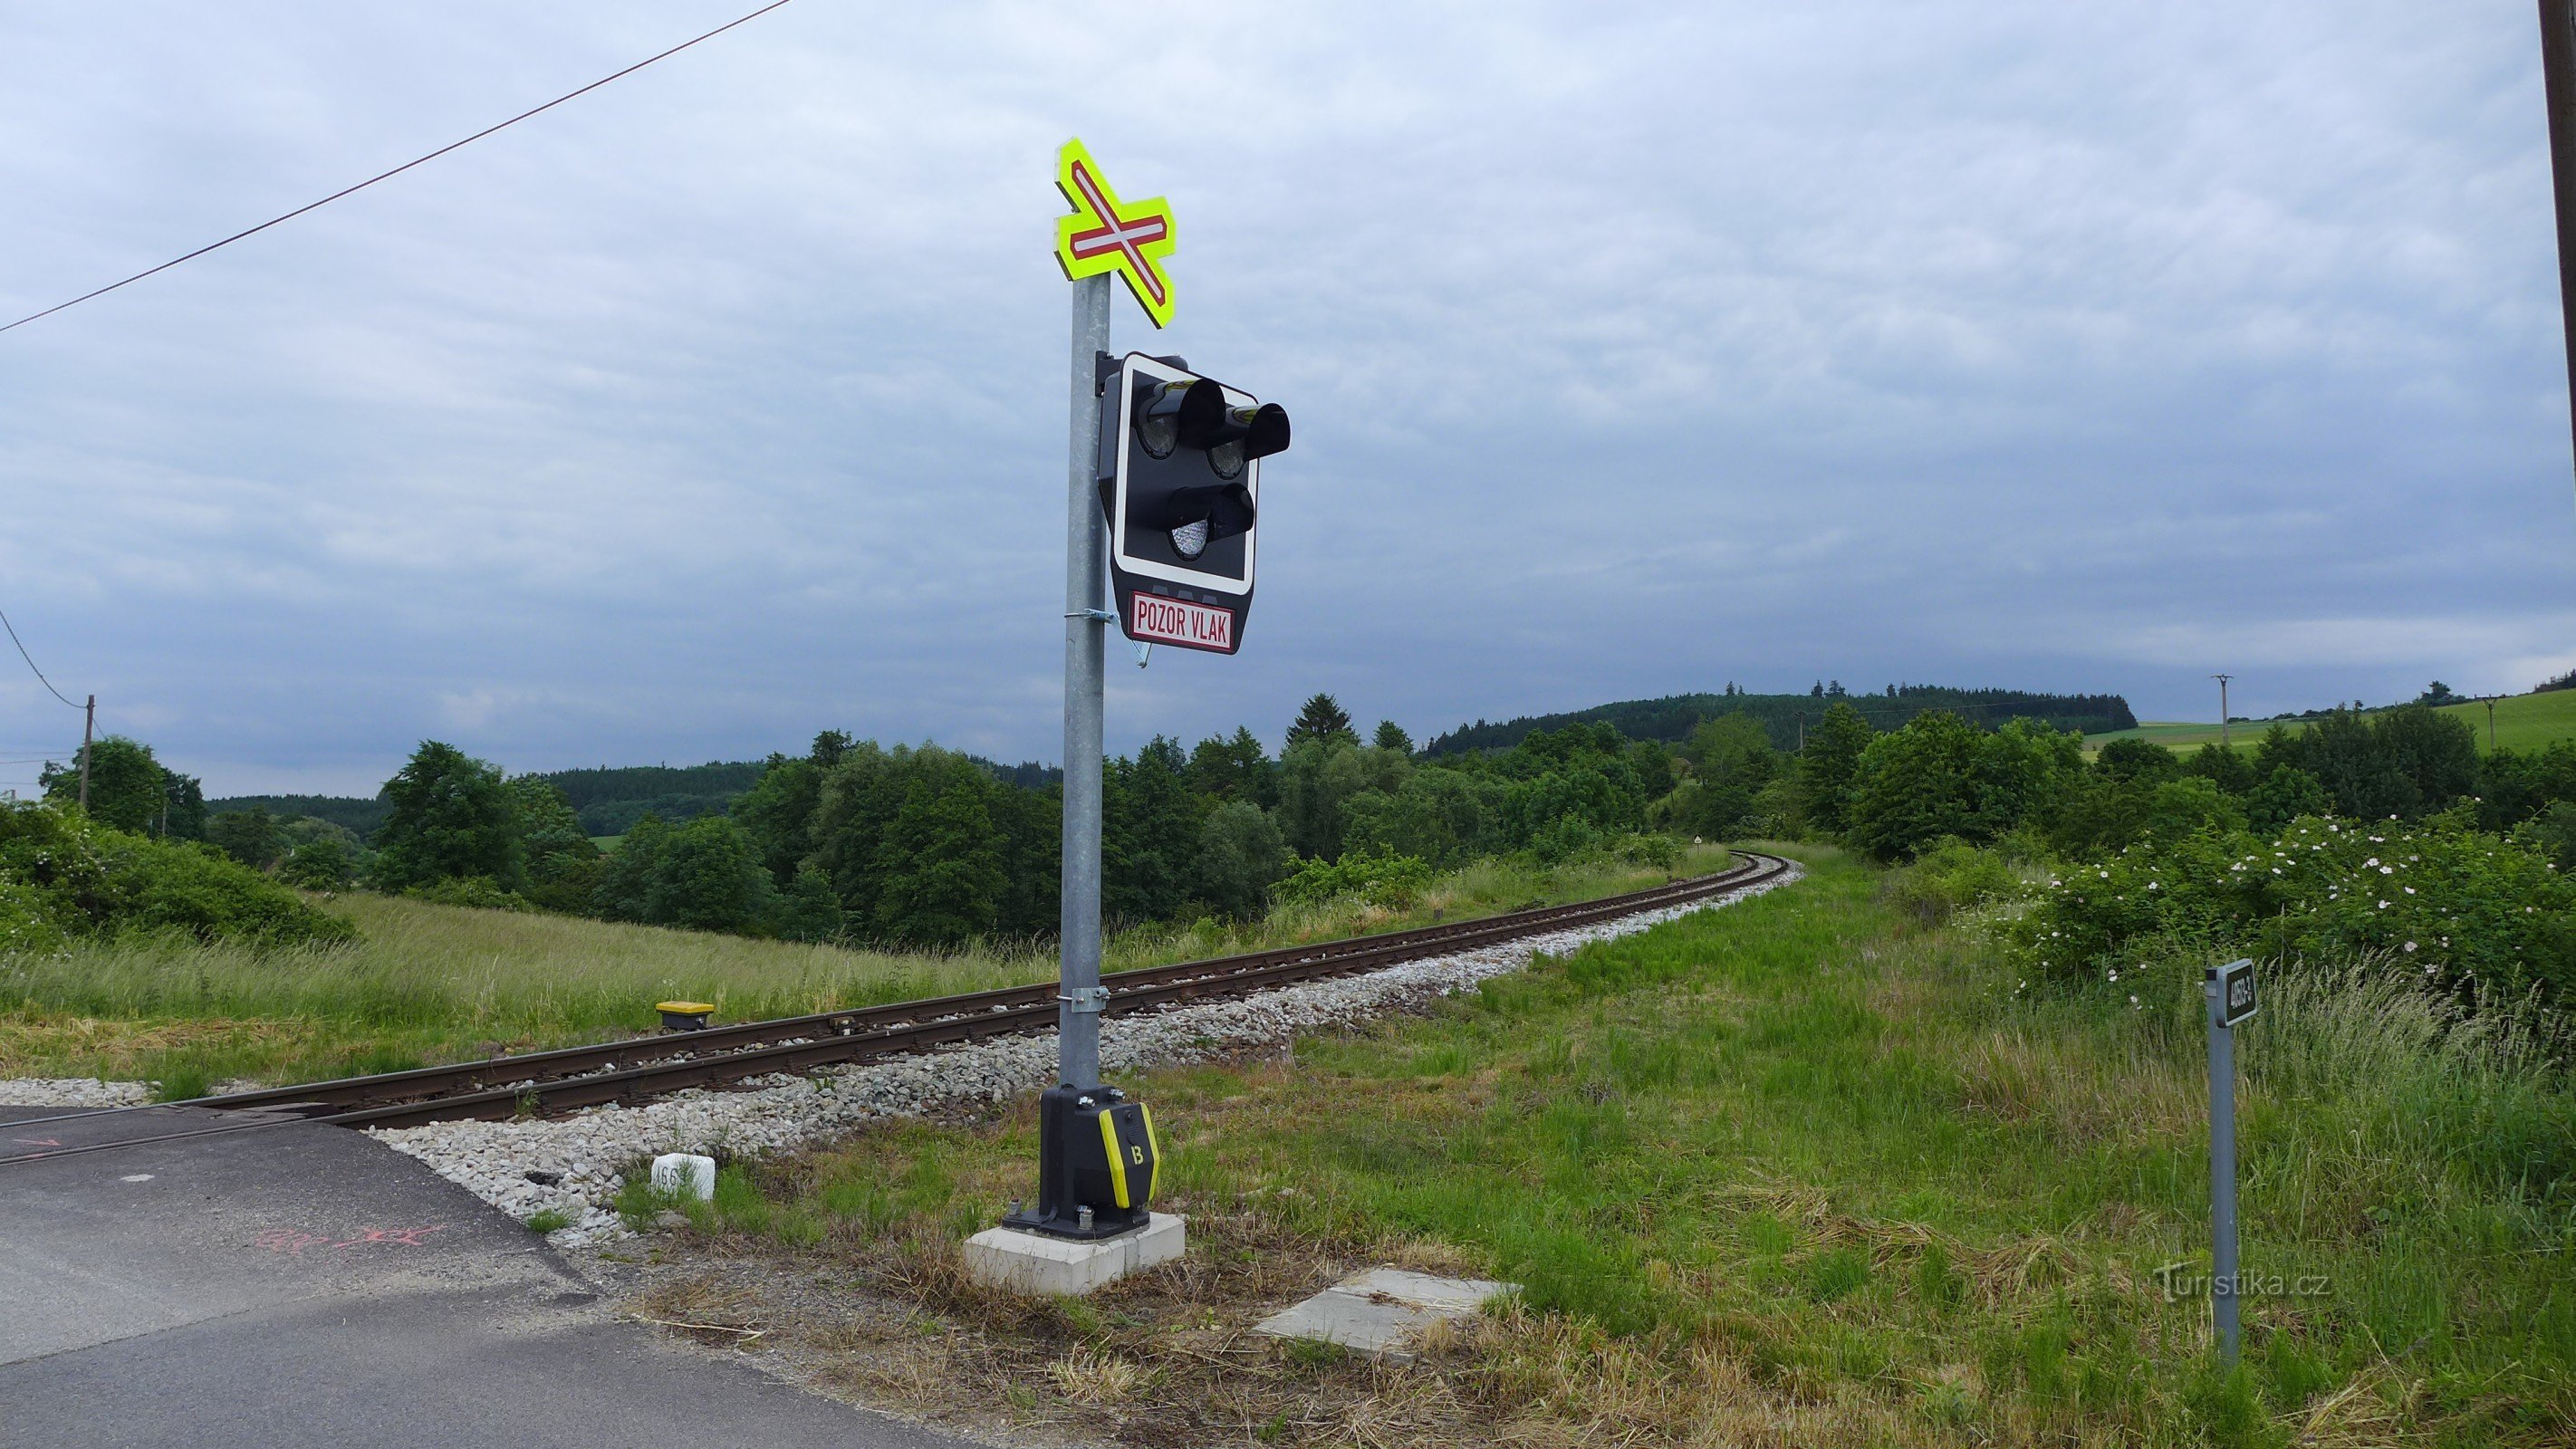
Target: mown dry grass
x,y
1791,1173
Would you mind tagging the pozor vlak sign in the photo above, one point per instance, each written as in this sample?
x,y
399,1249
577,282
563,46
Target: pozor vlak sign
x,y
1180,480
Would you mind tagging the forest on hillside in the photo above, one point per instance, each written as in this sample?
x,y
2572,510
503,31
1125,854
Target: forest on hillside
x,y
1787,716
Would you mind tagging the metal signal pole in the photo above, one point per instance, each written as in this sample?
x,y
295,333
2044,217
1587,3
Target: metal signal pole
x,y
2223,737
2558,79
89,727
1081,996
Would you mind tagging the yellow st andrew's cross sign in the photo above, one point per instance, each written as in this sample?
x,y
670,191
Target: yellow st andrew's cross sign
x,y
1105,234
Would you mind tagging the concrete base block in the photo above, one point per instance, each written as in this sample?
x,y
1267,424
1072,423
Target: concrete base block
x,y
1035,1263
1373,1312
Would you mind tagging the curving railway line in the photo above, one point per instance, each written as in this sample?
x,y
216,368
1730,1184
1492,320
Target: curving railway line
x,y
629,1071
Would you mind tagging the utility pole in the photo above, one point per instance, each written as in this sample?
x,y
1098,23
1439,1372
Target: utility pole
x,y
2223,737
89,727
2490,726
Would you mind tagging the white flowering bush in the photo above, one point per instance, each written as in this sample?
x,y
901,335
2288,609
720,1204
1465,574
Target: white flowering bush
x,y
2460,907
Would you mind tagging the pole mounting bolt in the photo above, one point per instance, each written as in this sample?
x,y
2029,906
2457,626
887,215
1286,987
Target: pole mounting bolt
x,y
1087,998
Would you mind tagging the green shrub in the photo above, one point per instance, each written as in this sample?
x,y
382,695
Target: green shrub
x,y
1386,880
1648,848
26,925
318,865
2465,909
1948,878
62,875
478,891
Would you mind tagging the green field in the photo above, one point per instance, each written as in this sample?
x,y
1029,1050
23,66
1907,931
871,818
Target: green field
x,y
2522,722
1799,1171
435,983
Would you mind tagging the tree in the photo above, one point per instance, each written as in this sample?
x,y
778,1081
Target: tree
x,y
1731,761
249,836
183,806
1439,816
1235,768
940,861
1941,776
2440,693
451,820
2284,795
777,812
2134,759
702,875
563,863
1240,856
810,912
1321,718
707,878
1391,736
318,865
1828,764
1150,822
125,785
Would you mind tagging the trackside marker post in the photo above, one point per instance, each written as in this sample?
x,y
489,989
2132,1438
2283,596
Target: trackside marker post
x,y
2230,990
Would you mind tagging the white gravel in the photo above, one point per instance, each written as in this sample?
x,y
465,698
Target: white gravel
x,y
71,1092
577,1160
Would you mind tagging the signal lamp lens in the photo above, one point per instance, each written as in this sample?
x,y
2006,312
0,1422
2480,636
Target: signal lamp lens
x,y
1190,539
1227,458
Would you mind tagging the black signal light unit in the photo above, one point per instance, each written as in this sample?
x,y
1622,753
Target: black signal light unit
x,y
1180,478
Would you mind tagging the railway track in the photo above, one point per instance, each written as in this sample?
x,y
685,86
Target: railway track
x,y
627,1071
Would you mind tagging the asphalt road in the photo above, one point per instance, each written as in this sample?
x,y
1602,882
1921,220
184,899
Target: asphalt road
x,y
302,1286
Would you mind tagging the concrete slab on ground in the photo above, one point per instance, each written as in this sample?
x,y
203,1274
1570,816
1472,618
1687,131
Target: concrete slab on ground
x,y
1377,1311
300,1286
1036,1263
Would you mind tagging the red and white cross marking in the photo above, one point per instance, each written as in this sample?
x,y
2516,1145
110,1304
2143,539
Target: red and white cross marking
x,y
1118,233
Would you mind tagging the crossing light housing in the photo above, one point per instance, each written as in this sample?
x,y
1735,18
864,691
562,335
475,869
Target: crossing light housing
x,y
1180,479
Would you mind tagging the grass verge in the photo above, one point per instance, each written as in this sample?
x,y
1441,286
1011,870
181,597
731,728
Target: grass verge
x,y
1795,1171
435,983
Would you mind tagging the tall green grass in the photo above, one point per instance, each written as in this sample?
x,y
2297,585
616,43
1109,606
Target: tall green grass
x,y
1807,1150
432,983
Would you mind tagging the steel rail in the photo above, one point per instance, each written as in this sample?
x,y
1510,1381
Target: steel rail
x,y
575,1077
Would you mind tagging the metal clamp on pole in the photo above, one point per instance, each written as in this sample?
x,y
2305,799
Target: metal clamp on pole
x,y
1093,999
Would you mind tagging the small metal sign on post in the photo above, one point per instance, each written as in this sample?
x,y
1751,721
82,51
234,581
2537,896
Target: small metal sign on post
x,y
2230,990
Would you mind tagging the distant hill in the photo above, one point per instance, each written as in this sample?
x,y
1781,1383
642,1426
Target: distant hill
x,y
1673,717
362,816
608,800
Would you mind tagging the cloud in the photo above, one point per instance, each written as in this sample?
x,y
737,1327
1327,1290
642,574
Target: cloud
x,y
1631,349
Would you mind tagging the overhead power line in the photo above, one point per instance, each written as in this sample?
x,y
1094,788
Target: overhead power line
x,y
31,660
397,171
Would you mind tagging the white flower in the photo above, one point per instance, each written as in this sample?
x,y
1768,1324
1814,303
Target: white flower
x,y
2383,905
2410,946
2410,890
2133,1001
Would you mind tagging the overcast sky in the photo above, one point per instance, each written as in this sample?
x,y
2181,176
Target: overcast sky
x,y
1632,349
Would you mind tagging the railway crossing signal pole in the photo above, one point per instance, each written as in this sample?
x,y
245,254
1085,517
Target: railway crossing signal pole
x,y
1161,488
2558,78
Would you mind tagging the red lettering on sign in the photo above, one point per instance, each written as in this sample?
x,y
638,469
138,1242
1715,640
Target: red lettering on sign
x,y
1172,621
